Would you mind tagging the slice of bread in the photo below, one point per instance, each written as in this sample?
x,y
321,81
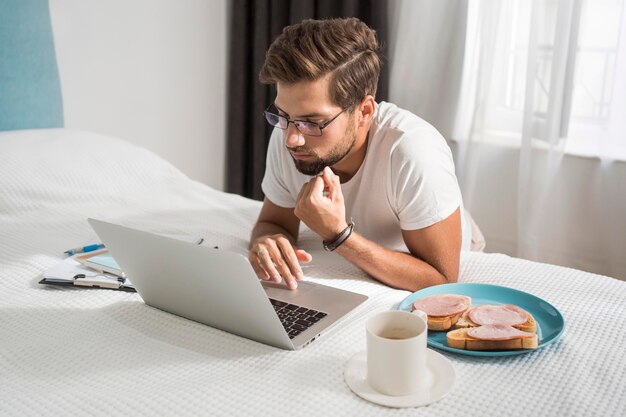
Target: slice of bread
x,y
459,339
465,322
443,323
443,310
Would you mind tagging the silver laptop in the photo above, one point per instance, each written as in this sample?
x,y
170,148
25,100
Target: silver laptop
x,y
220,289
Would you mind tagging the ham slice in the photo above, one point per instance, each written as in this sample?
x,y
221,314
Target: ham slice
x,y
443,305
507,314
497,332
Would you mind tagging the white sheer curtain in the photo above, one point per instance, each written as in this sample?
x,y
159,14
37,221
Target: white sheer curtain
x,y
526,89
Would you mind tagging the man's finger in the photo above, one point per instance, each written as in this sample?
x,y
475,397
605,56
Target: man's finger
x,y
282,267
260,272
317,186
332,181
328,178
303,256
267,264
290,257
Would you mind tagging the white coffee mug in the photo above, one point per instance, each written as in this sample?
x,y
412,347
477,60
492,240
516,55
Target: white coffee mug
x,y
396,352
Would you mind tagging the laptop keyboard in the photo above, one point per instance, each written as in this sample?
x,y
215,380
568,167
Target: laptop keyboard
x,y
296,319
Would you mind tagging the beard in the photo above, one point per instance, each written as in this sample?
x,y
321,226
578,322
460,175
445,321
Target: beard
x,y
337,153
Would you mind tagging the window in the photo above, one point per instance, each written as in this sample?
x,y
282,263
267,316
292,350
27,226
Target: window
x,y
594,114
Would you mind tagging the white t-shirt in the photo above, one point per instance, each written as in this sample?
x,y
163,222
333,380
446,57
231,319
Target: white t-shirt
x,y
406,180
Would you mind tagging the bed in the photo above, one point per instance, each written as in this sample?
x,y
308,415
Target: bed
x,y
66,351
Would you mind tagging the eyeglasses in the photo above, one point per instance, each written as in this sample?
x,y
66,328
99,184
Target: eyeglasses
x,y
304,127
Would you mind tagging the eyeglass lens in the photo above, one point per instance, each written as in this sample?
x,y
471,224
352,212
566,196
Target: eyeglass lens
x,y
306,128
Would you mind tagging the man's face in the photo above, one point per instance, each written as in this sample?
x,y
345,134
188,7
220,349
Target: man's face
x,y
310,101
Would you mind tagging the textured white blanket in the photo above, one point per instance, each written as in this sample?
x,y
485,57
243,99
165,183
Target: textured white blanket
x,y
99,352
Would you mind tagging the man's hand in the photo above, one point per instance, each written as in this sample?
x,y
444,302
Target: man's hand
x,y
321,207
273,257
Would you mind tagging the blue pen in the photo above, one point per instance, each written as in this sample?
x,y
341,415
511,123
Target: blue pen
x,y
88,248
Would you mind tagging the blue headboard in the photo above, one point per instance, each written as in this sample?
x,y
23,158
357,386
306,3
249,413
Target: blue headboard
x,y
30,90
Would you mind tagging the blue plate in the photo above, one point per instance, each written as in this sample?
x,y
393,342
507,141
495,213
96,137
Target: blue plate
x,y
550,323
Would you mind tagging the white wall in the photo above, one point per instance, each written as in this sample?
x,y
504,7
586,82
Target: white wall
x,y
152,72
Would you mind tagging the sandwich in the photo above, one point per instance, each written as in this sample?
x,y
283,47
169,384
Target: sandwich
x,y
494,327
485,327
487,314
491,337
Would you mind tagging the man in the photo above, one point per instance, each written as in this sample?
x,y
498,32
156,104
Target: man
x,y
387,198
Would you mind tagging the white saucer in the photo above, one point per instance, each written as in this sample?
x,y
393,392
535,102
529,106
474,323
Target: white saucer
x,y
443,377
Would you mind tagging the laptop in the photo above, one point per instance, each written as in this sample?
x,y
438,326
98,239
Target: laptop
x,y
220,289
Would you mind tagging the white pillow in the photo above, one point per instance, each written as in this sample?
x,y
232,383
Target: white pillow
x,y
60,166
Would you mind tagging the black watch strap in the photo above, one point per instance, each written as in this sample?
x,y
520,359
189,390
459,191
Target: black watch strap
x,y
339,239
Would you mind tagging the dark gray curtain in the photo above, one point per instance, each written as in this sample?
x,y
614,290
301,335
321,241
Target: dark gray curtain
x,y
253,26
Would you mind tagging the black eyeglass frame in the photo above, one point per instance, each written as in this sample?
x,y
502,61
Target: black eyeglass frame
x,y
320,126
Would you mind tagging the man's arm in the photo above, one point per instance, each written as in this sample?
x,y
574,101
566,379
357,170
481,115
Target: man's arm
x,y
272,245
433,259
434,251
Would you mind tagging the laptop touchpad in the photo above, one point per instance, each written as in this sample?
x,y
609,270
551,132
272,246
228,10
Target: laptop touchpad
x,y
274,289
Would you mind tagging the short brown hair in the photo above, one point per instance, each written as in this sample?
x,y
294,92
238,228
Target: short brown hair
x,y
346,48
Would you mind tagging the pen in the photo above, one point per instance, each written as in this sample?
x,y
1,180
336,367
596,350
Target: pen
x,y
88,248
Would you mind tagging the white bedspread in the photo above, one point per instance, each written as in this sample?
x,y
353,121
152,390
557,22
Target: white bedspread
x,y
99,352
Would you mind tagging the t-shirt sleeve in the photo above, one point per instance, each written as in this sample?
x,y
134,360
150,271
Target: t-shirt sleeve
x,y
425,189
273,185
